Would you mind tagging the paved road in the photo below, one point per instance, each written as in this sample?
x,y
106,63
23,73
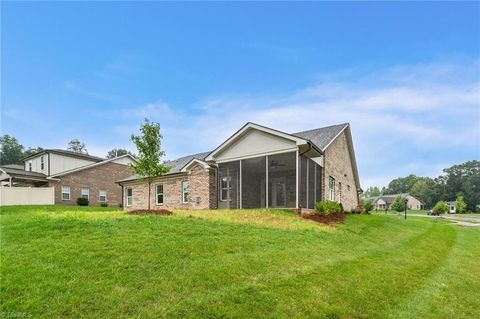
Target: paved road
x,y
467,221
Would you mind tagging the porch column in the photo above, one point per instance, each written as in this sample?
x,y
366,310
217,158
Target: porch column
x,y
240,204
266,181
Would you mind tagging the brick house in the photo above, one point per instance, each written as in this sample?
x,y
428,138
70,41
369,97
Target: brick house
x,y
257,167
72,175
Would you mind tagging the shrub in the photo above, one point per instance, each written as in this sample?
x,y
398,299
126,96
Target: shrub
x,y
82,201
398,204
368,205
326,208
460,205
440,208
104,204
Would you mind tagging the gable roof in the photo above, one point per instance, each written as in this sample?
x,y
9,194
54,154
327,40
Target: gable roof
x,y
66,153
390,198
175,165
324,136
81,168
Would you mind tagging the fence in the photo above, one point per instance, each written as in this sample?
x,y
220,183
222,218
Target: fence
x,y
27,196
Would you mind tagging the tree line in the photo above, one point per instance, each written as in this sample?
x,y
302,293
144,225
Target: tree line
x,y
457,180
12,152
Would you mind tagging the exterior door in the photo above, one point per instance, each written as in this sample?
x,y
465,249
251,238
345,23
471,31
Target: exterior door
x,y
278,192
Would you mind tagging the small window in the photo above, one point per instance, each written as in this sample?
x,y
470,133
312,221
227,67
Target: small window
x,y
102,196
224,188
185,192
129,197
30,166
331,188
159,194
42,163
65,192
85,193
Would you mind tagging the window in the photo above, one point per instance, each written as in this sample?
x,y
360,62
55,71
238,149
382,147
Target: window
x,y
85,193
159,194
331,188
30,166
185,191
65,192
42,163
102,196
225,187
339,192
129,197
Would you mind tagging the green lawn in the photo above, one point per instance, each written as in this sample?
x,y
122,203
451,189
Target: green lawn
x,y
102,263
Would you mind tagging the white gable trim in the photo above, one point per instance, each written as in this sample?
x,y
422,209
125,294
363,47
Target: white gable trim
x,y
249,126
193,161
94,165
333,139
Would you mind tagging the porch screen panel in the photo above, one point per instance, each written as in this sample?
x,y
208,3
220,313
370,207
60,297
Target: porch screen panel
x,y
311,184
318,179
281,180
253,182
229,185
302,183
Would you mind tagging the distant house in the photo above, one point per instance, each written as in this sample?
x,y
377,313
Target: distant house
x,y
257,167
451,207
385,201
72,174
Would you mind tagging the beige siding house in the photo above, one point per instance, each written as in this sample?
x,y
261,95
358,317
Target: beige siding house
x,y
72,175
385,201
257,167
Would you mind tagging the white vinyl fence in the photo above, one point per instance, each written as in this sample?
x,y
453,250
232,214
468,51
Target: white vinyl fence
x,y
27,196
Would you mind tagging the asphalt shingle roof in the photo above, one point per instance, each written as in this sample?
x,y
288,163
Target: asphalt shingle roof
x,y
321,137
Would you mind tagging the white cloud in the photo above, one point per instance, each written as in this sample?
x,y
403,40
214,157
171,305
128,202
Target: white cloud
x,y
409,109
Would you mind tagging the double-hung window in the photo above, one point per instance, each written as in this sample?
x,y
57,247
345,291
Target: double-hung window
x,y
42,163
185,192
29,166
331,188
102,196
65,192
159,193
85,193
225,187
129,196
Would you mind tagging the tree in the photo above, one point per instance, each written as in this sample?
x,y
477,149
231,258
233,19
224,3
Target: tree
x,y
441,207
398,204
11,150
32,150
463,178
368,204
401,185
76,146
424,189
148,164
116,152
460,205
372,191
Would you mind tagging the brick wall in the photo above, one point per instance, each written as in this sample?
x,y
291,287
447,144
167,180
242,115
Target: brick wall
x,y
101,177
202,191
338,165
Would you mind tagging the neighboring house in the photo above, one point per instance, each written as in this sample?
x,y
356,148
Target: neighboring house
x,y
257,167
72,174
451,207
385,201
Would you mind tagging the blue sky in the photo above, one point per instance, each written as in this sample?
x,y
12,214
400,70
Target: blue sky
x,y
405,75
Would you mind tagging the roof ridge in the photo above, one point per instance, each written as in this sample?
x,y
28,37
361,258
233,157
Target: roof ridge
x,y
323,127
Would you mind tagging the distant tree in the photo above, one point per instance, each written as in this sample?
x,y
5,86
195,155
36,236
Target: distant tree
x,y
463,178
424,189
441,207
116,152
32,150
11,150
76,146
372,191
398,204
460,205
149,164
401,185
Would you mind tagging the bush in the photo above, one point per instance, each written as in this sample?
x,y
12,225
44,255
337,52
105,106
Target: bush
x,y
368,205
326,208
82,201
440,208
398,204
460,205
104,205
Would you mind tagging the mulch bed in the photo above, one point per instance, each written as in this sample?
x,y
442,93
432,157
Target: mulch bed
x,y
334,218
150,212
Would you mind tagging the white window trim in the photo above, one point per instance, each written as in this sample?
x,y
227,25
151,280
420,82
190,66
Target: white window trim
x,y
42,163
157,193
88,193
229,178
65,192
183,192
126,197
331,190
100,196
